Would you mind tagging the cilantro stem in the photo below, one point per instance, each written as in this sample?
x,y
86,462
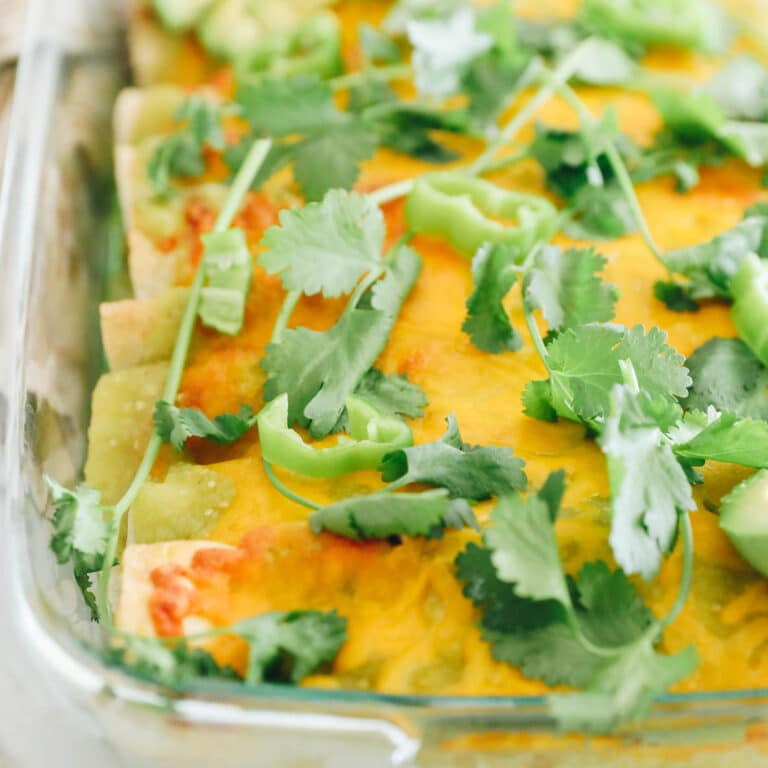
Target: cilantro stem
x,y
289,304
395,485
629,375
484,162
362,287
687,577
351,79
553,81
234,199
619,168
535,334
284,489
505,162
391,192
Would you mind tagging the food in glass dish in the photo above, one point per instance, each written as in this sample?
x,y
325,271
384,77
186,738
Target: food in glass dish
x,y
444,371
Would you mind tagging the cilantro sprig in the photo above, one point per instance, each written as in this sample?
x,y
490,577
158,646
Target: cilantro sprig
x,y
380,516
581,631
82,526
82,509
581,383
495,270
319,370
727,376
707,269
326,247
176,425
324,144
282,648
466,471
459,471
182,153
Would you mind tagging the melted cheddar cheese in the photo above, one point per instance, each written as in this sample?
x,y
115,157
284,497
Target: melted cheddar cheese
x,y
410,628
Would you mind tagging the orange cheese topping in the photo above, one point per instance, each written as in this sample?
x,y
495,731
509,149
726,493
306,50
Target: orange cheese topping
x,y
410,628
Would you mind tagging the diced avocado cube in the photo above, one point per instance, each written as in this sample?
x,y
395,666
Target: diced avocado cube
x,y
744,518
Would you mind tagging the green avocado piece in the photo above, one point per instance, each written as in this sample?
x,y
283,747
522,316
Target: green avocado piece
x,y
744,518
180,15
186,505
749,288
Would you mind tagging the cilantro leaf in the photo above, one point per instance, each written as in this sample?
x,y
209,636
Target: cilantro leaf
x,y
551,626
442,49
622,690
287,106
404,11
465,471
392,394
176,425
727,375
319,370
81,528
578,170
494,272
537,401
741,89
501,71
282,647
696,118
536,635
709,267
581,384
677,297
609,611
550,653
173,666
574,159
551,493
410,128
729,439
287,647
325,247
599,212
667,156
81,525
182,153
567,289
382,516
612,611
324,144
330,158
524,549
649,488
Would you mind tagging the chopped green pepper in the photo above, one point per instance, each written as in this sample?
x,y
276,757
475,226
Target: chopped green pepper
x,y
372,436
469,212
228,270
313,47
697,24
749,289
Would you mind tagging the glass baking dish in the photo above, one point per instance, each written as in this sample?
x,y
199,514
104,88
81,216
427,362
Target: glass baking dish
x,y
57,229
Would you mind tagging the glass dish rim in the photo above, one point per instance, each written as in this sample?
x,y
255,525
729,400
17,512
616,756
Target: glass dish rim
x,y
35,89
